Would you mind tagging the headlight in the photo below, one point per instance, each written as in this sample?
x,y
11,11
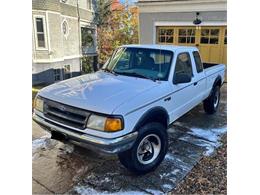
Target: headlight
x,y
104,123
38,104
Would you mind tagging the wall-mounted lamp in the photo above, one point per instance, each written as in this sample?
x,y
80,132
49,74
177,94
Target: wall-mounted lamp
x,y
197,21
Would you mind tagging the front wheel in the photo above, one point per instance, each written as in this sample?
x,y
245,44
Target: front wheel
x,y
212,102
148,150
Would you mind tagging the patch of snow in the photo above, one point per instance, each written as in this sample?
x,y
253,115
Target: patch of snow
x,y
171,130
128,193
105,180
169,157
219,131
164,175
39,143
207,145
173,180
68,148
154,192
86,191
204,134
167,186
209,151
206,138
178,123
175,171
181,164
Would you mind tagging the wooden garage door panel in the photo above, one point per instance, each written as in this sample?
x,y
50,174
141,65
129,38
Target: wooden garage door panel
x,y
204,52
215,54
210,40
209,44
224,60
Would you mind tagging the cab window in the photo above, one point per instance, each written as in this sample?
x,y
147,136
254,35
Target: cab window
x,y
197,59
183,64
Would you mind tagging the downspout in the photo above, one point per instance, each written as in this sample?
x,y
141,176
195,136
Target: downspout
x,y
79,33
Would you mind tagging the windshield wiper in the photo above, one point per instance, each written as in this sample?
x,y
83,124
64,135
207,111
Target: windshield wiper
x,y
108,70
136,75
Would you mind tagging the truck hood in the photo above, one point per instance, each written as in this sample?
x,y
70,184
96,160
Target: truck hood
x,y
99,92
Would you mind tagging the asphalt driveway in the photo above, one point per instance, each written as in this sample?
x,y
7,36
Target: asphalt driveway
x,y
59,168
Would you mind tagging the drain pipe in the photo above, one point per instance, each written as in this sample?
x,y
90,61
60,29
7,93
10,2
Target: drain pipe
x,y
79,33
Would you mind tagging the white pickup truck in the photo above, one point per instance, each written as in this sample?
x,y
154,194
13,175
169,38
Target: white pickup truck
x,y
126,107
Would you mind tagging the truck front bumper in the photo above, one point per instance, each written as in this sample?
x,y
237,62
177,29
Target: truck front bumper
x,y
104,145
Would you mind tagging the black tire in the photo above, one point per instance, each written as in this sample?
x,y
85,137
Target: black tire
x,y
212,102
130,158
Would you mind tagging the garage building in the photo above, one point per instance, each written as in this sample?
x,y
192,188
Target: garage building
x,y
200,23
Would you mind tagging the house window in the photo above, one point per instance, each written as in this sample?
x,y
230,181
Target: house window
x,y
186,36
88,40
87,37
225,39
40,33
67,72
57,75
209,36
65,28
165,35
89,5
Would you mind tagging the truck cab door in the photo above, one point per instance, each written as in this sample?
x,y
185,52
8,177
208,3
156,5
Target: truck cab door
x,y
183,91
199,79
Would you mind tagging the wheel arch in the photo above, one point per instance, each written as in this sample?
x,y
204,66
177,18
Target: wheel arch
x,y
155,114
217,82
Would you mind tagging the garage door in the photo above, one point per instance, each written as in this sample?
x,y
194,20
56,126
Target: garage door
x,y
210,40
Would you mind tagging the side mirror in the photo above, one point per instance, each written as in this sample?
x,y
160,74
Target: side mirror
x,y
181,78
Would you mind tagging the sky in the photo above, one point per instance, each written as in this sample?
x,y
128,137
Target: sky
x,y
130,1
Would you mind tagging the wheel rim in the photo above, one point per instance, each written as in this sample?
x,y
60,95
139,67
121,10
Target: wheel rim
x,y
148,149
216,99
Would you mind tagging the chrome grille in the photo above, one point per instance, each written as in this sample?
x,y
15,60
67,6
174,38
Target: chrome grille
x,y
68,115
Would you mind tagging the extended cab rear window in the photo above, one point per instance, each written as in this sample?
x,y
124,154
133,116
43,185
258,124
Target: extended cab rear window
x,y
197,59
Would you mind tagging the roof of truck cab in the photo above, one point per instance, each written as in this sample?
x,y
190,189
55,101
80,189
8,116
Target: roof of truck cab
x,y
162,47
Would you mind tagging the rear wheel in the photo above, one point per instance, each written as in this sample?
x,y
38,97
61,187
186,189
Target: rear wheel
x,y
212,102
148,151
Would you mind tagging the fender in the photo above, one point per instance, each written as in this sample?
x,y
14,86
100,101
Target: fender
x,y
158,114
218,81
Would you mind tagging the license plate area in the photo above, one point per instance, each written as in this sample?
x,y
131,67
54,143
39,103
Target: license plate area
x,y
59,136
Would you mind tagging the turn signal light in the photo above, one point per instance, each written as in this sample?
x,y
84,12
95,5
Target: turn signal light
x,y
113,124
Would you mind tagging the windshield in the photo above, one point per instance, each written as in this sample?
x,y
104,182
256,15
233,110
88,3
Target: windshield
x,y
141,62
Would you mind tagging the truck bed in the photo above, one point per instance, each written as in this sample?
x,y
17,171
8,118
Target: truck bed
x,y
208,65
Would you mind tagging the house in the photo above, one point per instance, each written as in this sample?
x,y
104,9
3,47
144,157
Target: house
x,y
63,32
116,5
200,23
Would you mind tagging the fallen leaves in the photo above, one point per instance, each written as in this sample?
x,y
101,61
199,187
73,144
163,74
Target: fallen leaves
x,y
207,177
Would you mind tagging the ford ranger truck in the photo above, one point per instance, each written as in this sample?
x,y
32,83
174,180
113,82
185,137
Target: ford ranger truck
x,y
126,107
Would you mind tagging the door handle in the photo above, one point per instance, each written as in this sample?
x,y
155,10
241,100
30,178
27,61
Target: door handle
x,y
195,83
167,99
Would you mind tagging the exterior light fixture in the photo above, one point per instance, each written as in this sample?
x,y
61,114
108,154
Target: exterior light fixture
x,y
197,21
